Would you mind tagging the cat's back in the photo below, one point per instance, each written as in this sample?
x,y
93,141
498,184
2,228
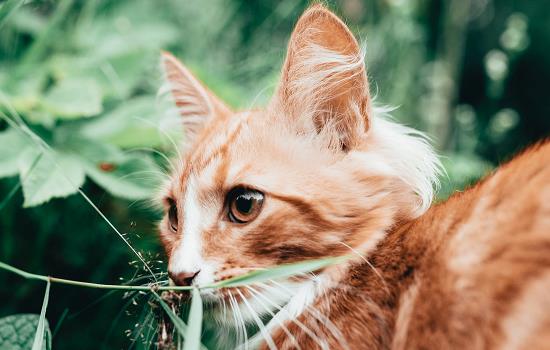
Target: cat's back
x,y
485,282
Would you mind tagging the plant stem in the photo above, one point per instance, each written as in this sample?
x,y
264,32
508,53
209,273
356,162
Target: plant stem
x,y
34,276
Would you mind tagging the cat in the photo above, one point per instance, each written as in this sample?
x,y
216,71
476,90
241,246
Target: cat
x,y
320,172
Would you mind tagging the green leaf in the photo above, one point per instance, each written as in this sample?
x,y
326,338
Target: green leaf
x,y
135,177
25,92
56,174
117,77
17,332
74,98
132,176
281,271
133,124
14,143
192,339
38,342
122,117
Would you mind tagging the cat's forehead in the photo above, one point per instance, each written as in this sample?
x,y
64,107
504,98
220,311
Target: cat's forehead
x,y
221,150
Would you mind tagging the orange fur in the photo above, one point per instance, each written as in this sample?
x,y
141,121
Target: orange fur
x,y
336,176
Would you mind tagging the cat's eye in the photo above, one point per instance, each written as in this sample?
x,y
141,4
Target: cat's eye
x,y
173,216
244,205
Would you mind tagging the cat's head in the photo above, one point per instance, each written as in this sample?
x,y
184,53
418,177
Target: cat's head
x,y
316,173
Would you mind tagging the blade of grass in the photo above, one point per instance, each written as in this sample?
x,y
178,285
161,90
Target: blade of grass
x,y
60,322
278,272
192,339
181,327
8,8
38,47
39,336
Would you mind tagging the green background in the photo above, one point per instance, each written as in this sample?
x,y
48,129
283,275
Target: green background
x,y
84,76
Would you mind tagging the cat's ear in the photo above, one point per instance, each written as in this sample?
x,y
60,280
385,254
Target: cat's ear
x,y
196,104
324,77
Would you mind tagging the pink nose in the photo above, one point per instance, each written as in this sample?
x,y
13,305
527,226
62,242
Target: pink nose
x,y
184,279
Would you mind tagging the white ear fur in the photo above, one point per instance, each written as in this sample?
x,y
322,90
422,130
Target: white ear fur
x,y
409,155
195,103
324,79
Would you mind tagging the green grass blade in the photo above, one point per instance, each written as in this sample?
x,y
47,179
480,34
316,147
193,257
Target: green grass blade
x,y
181,327
8,8
38,48
192,339
281,271
39,336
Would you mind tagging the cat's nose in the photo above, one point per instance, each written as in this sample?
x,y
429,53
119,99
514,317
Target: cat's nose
x,y
184,279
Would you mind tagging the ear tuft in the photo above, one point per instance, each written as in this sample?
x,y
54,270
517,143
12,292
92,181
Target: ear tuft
x,y
195,103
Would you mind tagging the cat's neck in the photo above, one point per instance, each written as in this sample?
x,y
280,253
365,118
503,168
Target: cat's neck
x,y
364,296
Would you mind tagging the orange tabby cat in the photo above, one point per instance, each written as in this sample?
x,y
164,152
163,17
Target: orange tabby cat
x,y
321,172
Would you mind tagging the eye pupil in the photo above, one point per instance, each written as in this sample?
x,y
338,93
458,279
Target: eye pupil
x,y
243,204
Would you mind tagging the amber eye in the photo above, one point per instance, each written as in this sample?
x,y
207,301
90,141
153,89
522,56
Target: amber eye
x,y
244,204
173,216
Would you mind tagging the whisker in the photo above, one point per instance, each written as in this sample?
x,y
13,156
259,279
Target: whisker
x,y
234,307
243,324
156,172
281,324
319,316
266,336
323,344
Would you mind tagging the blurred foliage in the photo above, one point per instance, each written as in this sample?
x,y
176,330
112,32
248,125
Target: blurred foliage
x,y
83,75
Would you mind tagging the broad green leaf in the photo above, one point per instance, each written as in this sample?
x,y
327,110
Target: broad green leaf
x,y
14,143
125,115
133,124
116,76
281,271
56,174
26,91
132,176
86,148
135,177
38,343
138,136
17,332
192,339
74,98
